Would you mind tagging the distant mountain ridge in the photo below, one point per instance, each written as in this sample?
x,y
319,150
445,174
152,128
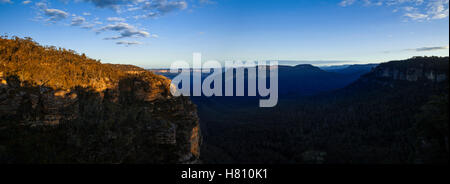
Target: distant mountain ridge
x,y
304,79
352,69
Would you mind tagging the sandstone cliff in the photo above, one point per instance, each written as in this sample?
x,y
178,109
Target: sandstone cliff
x,y
417,69
57,106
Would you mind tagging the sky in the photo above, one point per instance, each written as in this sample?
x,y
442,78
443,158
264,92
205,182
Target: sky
x,y
155,33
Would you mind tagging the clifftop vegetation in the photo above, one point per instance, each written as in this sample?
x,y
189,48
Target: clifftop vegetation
x,y
59,67
436,63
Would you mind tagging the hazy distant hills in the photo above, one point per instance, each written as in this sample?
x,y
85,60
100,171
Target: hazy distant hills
x,y
350,69
306,79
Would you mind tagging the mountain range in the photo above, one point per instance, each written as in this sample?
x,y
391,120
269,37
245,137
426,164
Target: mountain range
x,y
58,106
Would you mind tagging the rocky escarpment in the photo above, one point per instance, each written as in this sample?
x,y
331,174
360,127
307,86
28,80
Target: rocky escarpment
x,y
88,112
425,69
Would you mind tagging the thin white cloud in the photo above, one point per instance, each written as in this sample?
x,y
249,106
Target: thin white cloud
x,y
26,2
6,1
416,10
116,27
416,16
421,49
52,15
164,6
88,26
78,21
409,8
133,8
115,19
128,43
125,30
55,14
114,4
345,3
207,2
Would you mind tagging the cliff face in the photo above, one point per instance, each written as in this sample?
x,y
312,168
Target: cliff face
x,y
411,74
417,69
92,113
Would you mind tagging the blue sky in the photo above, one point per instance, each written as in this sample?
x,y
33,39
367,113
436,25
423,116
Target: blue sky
x,y
154,33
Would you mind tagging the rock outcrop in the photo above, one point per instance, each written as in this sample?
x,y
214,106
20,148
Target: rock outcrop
x,y
96,113
414,69
426,70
